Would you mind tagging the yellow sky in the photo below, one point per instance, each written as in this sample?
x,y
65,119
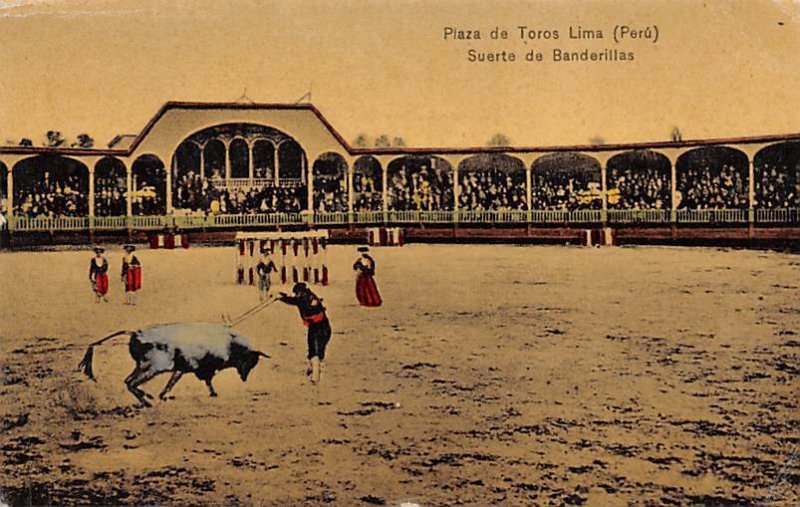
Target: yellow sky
x,y
720,69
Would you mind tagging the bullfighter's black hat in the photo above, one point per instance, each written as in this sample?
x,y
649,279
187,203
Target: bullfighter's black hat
x,y
98,249
363,249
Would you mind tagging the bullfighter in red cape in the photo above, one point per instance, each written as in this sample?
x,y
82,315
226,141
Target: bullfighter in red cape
x,y
98,275
131,274
314,317
366,290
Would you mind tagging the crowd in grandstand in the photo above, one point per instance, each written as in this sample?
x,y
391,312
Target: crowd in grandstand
x,y
775,188
564,192
330,194
109,197
367,192
492,190
50,197
712,187
419,185
423,189
638,188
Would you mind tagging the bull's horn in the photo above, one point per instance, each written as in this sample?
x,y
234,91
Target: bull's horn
x,y
263,354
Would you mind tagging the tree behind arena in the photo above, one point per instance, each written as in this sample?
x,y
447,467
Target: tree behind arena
x,y
499,140
84,141
361,141
54,139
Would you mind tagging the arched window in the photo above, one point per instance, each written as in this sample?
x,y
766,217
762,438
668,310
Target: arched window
x,y
367,184
51,186
492,182
239,153
330,183
640,179
566,181
149,186
110,187
712,177
420,183
776,171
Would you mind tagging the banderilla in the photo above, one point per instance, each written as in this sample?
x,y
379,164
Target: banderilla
x,y
249,313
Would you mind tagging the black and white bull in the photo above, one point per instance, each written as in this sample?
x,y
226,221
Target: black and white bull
x,y
199,348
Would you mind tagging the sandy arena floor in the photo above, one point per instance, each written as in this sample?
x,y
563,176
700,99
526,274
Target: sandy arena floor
x,y
492,375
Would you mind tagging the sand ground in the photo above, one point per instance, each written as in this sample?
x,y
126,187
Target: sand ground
x,y
508,375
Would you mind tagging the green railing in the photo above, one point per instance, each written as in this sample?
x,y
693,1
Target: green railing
x,y
636,216
777,216
563,216
369,217
728,216
725,216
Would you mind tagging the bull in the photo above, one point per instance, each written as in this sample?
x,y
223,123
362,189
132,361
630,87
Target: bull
x,y
199,348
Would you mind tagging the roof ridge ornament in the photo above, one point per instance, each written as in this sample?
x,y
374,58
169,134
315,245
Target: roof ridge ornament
x,y
244,99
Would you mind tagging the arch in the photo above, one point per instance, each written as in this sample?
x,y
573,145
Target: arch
x,y
491,181
776,174
291,162
239,155
566,181
110,187
263,159
639,179
367,184
51,185
712,177
186,160
330,183
149,185
3,188
214,159
187,177
420,183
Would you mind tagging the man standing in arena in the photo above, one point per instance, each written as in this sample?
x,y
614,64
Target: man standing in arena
x,y
98,275
264,268
319,329
366,289
131,274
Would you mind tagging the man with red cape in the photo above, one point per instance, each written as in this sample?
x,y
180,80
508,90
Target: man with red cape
x,y
131,274
98,275
366,290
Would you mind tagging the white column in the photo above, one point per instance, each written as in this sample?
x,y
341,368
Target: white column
x,y
202,163
604,188
129,191
529,188
673,205
385,186
751,183
250,159
227,160
10,197
173,168
91,192
277,164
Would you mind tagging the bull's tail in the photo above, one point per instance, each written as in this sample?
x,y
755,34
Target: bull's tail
x,y
86,363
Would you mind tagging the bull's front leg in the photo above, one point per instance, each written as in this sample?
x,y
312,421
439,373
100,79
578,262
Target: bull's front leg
x,y
211,390
176,376
138,378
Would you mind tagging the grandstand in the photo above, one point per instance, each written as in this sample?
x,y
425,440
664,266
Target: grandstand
x,y
276,166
